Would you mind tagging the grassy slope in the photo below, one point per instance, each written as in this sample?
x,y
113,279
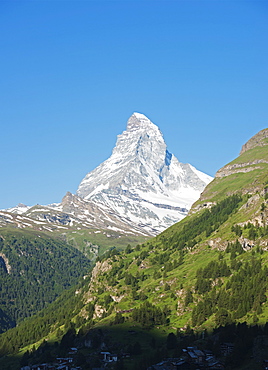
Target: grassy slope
x,y
91,242
240,181
103,239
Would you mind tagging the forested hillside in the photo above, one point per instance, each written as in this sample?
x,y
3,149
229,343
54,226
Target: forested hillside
x,y
34,270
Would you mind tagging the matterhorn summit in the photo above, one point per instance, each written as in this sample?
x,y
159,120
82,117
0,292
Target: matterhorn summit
x,y
142,182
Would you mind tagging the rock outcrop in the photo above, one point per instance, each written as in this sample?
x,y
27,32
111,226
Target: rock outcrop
x,y
260,139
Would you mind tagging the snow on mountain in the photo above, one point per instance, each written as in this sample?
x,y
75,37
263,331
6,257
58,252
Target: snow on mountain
x,y
19,209
142,181
141,189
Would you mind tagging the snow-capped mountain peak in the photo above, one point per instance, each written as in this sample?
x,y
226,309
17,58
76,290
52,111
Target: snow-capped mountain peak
x,y
139,121
142,180
140,140
141,189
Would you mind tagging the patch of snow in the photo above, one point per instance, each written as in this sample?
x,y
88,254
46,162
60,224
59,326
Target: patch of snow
x,y
19,209
204,177
48,229
6,215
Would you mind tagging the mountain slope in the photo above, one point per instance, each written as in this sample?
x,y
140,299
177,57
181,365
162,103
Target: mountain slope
x,y
247,173
34,270
142,180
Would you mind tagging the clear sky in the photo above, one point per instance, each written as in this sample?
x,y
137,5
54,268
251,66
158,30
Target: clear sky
x,y
72,72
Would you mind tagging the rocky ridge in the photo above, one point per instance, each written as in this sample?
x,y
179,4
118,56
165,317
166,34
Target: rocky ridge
x,y
240,167
260,139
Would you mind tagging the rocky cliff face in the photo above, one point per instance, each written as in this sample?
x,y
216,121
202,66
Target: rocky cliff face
x,y
142,181
240,167
260,139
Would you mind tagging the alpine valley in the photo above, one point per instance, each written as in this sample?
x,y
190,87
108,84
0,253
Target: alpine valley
x,y
193,296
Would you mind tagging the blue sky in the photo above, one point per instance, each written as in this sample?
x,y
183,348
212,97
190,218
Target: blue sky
x,y
72,72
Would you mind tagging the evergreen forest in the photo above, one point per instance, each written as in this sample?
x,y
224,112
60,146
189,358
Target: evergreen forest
x,y
34,271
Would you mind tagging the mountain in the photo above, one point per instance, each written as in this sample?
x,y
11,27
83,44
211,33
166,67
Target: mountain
x,y
138,192
203,280
142,181
19,209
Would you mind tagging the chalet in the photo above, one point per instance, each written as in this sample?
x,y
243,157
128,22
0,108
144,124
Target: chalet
x,y
200,356
216,365
180,365
109,357
104,356
195,356
227,348
113,358
72,351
